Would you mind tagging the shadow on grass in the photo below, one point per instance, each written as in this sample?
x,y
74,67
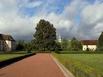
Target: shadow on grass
x,y
13,60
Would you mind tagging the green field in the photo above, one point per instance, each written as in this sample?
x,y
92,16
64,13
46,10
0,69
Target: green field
x,y
4,57
14,54
82,61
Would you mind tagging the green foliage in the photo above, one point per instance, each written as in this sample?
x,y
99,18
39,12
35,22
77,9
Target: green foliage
x,y
65,44
79,52
75,44
20,45
45,36
100,42
28,47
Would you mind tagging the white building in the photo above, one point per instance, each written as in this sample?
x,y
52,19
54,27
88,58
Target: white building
x,y
7,43
89,44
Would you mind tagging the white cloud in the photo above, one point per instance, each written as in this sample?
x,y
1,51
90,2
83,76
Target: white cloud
x,y
92,21
34,4
31,4
12,21
93,13
74,8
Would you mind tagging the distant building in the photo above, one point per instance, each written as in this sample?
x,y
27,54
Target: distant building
x,y
7,43
89,44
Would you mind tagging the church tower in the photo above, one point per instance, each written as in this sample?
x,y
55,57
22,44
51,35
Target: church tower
x,y
59,39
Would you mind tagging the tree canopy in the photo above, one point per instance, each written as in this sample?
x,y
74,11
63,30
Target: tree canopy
x,y
65,44
45,36
75,44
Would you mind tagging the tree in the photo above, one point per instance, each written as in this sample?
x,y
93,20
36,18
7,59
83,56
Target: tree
x,y
65,44
20,45
75,44
100,42
28,47
45,36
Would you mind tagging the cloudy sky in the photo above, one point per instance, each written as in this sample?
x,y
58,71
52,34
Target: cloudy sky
x,y
80,18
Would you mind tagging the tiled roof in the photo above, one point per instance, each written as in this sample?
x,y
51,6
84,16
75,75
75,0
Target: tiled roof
x,y
89,42
6,37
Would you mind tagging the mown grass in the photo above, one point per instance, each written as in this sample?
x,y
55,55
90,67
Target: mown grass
x,y
83,65
4,57
13,54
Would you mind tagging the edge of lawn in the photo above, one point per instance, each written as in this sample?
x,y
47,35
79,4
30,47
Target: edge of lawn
x,y
15,59
64,70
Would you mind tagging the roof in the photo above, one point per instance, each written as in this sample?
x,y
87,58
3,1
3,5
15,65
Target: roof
x,y
6,37
1,38
89,42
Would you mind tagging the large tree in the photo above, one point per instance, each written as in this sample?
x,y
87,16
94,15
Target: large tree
x,y
100,42
45,36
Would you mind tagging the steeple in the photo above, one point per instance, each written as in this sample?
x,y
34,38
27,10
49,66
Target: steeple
x,y
59,39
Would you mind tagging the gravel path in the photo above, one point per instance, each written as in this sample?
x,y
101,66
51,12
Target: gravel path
x,y
40,65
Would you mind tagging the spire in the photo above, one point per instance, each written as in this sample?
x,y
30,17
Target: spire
x,y
59,38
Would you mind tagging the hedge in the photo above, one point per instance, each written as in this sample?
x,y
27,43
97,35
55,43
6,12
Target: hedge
x,y
79,52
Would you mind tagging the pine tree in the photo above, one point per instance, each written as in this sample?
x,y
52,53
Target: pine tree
x,y
45,36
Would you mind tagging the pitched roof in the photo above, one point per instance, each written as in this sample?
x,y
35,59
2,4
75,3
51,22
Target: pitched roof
x,y
89,42
1,38
6,37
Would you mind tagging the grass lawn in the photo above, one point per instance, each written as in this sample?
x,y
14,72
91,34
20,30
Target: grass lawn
x,y
94,61
9,56
13,54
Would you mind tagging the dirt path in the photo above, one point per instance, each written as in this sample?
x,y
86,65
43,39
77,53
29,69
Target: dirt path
x,y
40,65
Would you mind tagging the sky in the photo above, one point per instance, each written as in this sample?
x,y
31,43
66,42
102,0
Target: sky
x,y
82,19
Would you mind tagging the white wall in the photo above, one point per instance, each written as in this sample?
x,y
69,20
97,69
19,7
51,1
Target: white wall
x,y
91,47
9,45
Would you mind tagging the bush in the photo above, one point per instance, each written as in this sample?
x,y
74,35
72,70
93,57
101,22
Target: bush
x,y
100,49
79,52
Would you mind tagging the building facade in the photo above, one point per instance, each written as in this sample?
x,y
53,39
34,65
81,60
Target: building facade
x,y
7,43
89,45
